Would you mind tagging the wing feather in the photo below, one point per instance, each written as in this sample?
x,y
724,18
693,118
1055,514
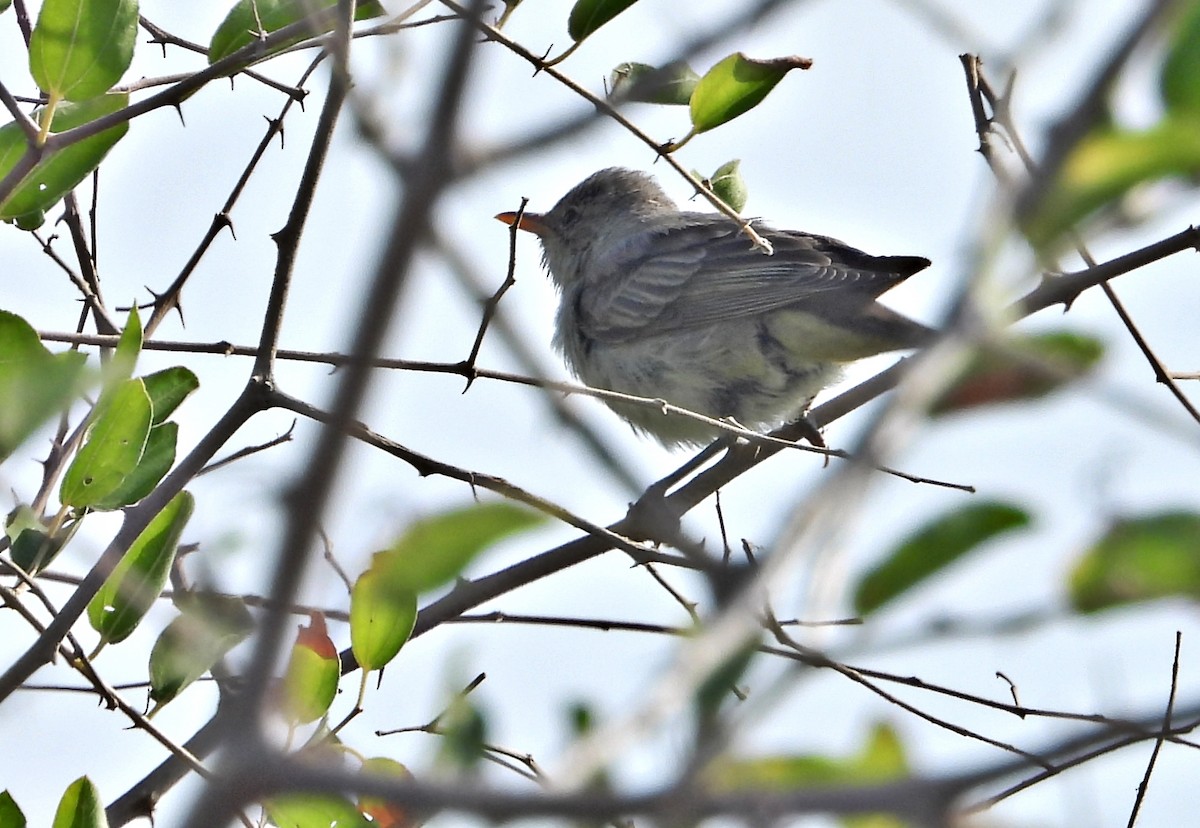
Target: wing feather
x,y
704,270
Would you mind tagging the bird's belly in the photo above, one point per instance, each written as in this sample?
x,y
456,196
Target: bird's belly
x,y
742,371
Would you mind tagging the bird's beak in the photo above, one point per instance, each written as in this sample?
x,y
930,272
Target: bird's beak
x,y
530,222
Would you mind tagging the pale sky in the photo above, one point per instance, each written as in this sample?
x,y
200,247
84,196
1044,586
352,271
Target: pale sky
x,y
874,145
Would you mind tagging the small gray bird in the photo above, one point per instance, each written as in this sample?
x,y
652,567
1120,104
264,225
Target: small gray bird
x,y
674,305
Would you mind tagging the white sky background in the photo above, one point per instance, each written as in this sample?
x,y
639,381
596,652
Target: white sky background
x,y
874,145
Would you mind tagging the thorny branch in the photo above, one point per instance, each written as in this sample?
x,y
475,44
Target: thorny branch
x,y
920,799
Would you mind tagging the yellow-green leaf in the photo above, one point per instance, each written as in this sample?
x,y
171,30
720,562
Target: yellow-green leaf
x,y
157,458
34,383
728,184
1140,559
311,680
381,618
385,814
882,757
125,356
80,807
80,48
114,446
434,550
1107,165
736,85
139,577
303,810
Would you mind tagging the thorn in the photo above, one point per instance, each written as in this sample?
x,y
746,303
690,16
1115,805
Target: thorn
x,y
224,220
542,64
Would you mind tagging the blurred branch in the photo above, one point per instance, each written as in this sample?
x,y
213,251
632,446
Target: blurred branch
x,y
1090,109
248,761
979,89
922,800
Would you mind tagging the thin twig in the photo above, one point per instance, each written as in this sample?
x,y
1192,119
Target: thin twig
x,y
1168,714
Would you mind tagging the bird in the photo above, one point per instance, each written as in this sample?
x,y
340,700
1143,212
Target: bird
x,y
679,306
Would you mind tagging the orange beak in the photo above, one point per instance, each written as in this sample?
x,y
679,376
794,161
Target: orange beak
x,y
530,222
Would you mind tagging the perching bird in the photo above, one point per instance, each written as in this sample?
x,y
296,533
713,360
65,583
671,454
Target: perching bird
x,y
677,305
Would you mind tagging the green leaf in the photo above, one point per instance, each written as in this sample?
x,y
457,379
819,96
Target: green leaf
x,y
167,389
4,4
719,684
510,6
32,546
1140,559
1021,368
589,15
80,807
156,460
1108,164
736,85
125,356
113,449
80,48
728,184
464,734
139,577
1179,79
34,549
10,814
58,174
434,550
672,85
31,220
34,383
381,618
881,758
582,719
934,547
303,810
207,627
248,20
311,680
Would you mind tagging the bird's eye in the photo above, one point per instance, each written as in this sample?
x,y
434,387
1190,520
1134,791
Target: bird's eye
x,y
570,215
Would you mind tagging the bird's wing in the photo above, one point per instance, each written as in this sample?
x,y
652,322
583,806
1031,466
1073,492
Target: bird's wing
x,y
706,271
